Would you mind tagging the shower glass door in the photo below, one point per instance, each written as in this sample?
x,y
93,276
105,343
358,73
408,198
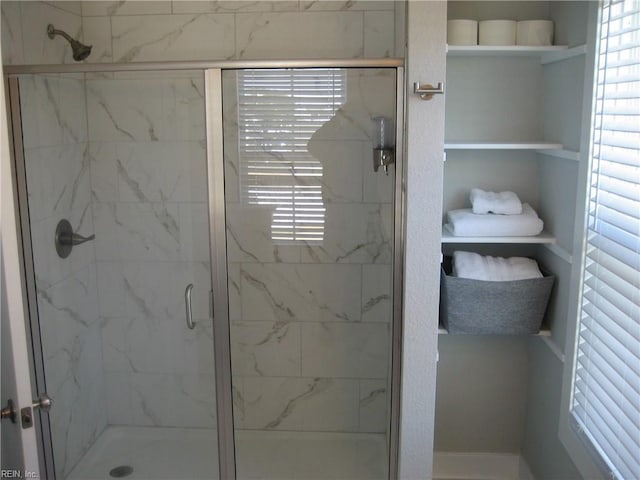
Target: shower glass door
x,y
121,156
310,259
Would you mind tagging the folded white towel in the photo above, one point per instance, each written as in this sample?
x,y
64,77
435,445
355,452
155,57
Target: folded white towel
x,y
503,203
466,223
493,269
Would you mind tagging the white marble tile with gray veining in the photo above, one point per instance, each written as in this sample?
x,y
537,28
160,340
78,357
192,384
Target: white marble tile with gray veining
x,y
53,110
155,290
58,180
67,308
320,404
124,7
377,294
173,400
249,236
97,33
198,355
374,406
265,349
346,5
147,172
354,233
234,6
334,349
12,47
137,231
80,413
194,232
341,162
317,35
173,37
234,282
379,31
285,292
118,398
38,47
146,109
370,93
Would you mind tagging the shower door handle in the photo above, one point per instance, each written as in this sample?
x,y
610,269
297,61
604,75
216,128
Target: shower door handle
x,y
187,301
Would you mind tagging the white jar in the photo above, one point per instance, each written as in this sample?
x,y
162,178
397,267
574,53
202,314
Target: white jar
x,y
497,32
462,32
534,32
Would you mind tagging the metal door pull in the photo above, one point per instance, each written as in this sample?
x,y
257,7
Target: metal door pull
x,y
427,91
187,301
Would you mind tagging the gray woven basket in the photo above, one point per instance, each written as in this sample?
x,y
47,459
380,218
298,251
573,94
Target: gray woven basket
x,y
489,308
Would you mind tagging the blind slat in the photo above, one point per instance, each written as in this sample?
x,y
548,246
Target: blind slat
x,y
606,392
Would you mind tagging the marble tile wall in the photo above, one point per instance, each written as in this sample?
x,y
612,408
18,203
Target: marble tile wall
x,y
310,333
122,31
56,152
24,31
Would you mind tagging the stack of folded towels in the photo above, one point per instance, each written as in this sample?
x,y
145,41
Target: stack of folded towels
x,y
493,269
494,214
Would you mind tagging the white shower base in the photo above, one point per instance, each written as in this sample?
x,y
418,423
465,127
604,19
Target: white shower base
x,y
191,454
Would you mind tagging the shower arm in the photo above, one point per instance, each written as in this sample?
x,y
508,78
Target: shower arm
x,y
52,32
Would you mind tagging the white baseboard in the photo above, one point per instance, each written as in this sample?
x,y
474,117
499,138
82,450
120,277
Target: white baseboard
x,y
480,466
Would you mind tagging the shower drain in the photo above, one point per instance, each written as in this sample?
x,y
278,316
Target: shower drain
x,y
121,471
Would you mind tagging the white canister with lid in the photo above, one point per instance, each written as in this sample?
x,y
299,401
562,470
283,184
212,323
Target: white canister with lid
x,y
462,32
534,32
497,32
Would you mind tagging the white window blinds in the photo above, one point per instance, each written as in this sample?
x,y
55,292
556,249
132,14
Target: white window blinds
x,y
278,112
606,390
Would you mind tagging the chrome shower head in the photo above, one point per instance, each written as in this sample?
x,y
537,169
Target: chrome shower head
x,y
79,50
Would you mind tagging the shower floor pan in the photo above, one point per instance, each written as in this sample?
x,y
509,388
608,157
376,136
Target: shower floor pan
x,y
191,454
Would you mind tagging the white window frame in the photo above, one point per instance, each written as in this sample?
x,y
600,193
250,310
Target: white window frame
x,y
583,456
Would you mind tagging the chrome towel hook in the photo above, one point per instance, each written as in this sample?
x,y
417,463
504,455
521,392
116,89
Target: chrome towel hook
x,y
427,91
66,239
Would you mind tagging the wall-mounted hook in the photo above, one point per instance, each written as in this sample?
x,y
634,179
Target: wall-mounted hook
x,y
427,91
66,239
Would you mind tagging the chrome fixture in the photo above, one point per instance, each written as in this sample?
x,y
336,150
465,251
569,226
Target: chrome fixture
x,y
383,143
427,91
9,412
187,302
80,51
65,238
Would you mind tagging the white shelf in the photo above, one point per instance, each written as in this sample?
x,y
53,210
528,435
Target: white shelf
x,y
507,50
561,55
486,145
561,153
543,238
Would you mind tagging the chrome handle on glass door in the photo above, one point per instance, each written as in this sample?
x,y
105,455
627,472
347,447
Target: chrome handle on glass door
x,y
187,301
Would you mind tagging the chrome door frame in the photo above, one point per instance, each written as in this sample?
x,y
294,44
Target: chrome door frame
x,y
28,276
218,235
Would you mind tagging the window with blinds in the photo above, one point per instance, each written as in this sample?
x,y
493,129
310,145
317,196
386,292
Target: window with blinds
x,y
605,404
278,113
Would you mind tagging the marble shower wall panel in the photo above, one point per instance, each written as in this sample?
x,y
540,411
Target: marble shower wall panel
x,y
148,184
24,31
59,186
311,321
127,31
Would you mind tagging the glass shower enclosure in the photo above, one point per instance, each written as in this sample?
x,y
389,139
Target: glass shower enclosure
x,y
229,281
